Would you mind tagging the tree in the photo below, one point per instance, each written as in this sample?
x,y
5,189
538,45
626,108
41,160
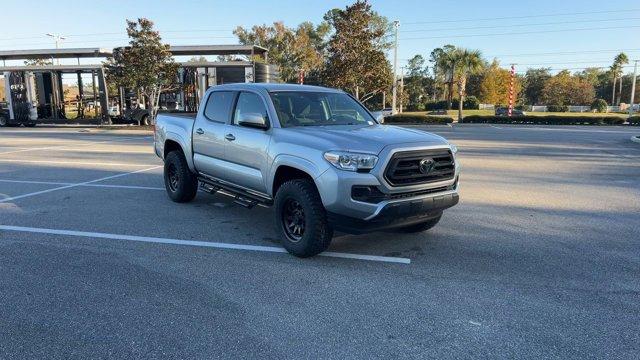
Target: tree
x,y
616,72
146,65
292,50
38,62
466,62
356,61
416,82
598,78
444,68
496,81
565,89
378,23
534,82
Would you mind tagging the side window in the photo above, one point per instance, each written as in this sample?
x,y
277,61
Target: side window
x,y
218,107
249,103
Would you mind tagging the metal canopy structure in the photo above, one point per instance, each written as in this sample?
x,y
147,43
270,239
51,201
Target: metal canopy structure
x,y
41,86
190,50
55,53
61,68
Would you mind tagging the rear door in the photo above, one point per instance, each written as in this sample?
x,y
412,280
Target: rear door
x,y
247,148
209,131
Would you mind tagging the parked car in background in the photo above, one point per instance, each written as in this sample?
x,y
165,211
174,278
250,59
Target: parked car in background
x,y
381,114
315,154
26,114
503,111
4,113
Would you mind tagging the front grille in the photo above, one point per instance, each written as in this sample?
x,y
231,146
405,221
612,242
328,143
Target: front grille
x,y
404,167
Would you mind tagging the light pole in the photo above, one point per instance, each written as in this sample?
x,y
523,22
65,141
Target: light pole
x,y
396,25
401,86
633,86
58,38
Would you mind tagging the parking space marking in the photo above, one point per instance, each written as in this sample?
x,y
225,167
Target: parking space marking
x,y
67,146
77,184
217,245
85,185
71,162
148,151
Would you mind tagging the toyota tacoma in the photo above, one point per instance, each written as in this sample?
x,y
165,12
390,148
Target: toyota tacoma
x,y
315,154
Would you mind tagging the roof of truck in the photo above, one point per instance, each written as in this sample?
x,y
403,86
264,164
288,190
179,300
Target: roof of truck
x,y
276,87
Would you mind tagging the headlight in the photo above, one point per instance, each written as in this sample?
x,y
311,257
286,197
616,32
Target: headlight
x,y
454,149
351,161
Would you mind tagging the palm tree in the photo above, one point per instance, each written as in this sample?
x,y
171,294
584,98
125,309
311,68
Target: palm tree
x,y
616,71
444,64
466,62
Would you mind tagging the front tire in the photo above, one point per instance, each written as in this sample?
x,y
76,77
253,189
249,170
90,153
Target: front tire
x,y
3,121
30,125
301,220
420,227
181,184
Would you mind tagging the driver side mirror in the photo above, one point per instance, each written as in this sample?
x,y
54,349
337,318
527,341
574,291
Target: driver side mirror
x,y
254,120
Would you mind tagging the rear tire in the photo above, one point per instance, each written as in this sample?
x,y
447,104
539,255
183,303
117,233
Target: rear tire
x,y
181,184
3,121
420,227
30,125
144,121
301,220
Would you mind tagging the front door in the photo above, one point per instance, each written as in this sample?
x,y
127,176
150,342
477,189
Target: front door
x,y
247,148
209,133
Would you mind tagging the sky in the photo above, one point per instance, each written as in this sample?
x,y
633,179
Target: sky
x,y
556,34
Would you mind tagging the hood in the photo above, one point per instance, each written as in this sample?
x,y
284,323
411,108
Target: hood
x,y
369,139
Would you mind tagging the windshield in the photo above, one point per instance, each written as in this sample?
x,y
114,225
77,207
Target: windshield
x,y
307,108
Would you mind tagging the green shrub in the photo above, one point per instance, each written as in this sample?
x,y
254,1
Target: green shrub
x,y
471,103
544,120
435,105
415,107
599,105
416,119
557,108
634,120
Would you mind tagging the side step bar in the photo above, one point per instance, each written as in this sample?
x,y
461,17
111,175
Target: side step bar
x,y
242,197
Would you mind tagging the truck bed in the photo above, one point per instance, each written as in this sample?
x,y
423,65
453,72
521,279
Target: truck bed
x,y
189,115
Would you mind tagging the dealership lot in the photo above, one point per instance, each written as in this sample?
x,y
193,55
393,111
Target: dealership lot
x,y
541,258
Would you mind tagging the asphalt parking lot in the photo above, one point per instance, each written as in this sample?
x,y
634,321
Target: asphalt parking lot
x,y
541,258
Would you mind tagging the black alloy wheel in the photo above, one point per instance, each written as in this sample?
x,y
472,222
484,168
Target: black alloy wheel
x,y
293,220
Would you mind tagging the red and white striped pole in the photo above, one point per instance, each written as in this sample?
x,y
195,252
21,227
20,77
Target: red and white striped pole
x,y
301,77
511,86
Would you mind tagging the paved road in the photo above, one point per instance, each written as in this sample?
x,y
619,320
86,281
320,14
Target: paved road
x,y
541,259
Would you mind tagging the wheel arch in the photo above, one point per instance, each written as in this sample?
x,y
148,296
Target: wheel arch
x,y
288,167
173,141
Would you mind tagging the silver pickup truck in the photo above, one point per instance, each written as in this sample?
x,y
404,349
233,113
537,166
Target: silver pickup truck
x,y
316,155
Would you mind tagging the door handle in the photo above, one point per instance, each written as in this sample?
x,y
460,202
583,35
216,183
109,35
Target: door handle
x,y
230,137
199,131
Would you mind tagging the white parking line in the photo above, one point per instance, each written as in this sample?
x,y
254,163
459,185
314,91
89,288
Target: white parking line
x,y
148,151
70,162
60,147
218,245
87,185
77,184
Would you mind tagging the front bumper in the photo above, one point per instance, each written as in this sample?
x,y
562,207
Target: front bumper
x,y
397,214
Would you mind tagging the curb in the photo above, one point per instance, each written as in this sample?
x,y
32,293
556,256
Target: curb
x,y
636,139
